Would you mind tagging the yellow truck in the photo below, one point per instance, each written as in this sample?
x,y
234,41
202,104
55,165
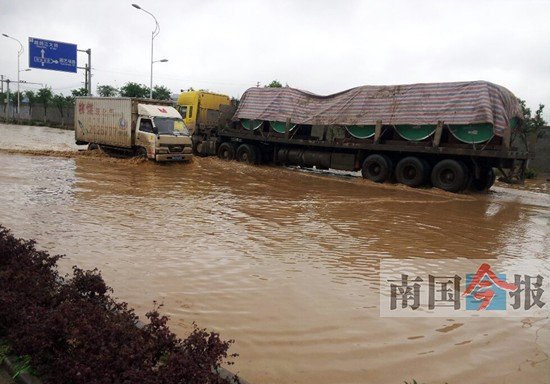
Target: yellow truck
x,y
201,108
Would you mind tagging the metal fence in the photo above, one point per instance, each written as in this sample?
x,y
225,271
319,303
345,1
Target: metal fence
x,y
541,156
51,115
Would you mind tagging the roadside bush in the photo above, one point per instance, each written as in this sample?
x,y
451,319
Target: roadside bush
x,y
75,332
531,173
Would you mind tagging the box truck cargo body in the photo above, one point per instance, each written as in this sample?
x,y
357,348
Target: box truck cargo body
x,y
142,127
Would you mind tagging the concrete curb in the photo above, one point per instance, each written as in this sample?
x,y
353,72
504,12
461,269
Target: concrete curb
x,y
26,378
228,375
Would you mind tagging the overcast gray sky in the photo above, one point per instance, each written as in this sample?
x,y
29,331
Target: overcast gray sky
x,y
321,46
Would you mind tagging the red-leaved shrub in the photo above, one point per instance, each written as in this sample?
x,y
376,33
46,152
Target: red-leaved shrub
x,y
75,332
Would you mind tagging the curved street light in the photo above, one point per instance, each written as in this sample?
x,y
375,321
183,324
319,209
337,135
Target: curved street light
x,y
19,53
154,34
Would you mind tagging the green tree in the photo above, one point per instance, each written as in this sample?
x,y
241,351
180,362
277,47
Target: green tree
x,y
31,97
3,101
274,84
161,92
106,91
531,124
44,96
79,92
61,102
13,99
70,100
131,89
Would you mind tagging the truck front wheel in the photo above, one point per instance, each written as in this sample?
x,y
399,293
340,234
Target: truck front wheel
x,y
198,148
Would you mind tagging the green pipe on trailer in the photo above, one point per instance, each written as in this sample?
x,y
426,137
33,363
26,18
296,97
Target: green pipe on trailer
x,y
361,131
415,132
473,133
478,133
251,125
280,127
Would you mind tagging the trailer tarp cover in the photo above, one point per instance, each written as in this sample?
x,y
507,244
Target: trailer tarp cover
x,y
457,103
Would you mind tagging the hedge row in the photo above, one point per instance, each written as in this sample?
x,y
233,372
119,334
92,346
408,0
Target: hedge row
x,y
75,332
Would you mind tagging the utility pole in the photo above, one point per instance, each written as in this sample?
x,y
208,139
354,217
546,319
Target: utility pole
x,y
8,99
1,83
87,71
19,53
89,52
86,77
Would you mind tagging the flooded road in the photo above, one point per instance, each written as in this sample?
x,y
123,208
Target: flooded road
x,y
283,261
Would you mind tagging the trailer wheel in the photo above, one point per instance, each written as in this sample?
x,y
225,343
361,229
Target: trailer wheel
x,y
377,168
485,181
226,151
450,175
412,171
246,154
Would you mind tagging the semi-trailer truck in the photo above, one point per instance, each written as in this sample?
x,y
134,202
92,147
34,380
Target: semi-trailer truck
x,y
448,135
146,128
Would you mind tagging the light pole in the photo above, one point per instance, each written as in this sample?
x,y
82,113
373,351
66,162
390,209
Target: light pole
x,y
154,34
19,53
156,61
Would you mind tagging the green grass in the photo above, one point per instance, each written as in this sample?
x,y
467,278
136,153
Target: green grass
x,y
20,364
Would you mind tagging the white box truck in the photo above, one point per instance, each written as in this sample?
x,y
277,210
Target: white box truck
x,y
151,129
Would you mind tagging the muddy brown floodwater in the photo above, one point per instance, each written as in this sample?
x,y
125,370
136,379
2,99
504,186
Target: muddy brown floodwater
x,y
283,261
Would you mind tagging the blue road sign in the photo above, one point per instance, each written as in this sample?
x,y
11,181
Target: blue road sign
x,y
52,55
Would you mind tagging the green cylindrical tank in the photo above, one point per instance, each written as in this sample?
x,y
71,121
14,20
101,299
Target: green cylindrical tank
x,y
361,131
251,126
279,126
415,132
472,133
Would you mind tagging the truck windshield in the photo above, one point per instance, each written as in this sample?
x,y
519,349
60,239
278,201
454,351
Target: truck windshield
x,y
170,126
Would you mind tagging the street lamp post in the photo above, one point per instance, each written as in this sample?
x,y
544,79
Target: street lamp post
x,y
156,61
19,53
154,34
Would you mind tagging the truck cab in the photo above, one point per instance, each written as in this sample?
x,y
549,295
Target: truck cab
x,y
161,134
201,108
